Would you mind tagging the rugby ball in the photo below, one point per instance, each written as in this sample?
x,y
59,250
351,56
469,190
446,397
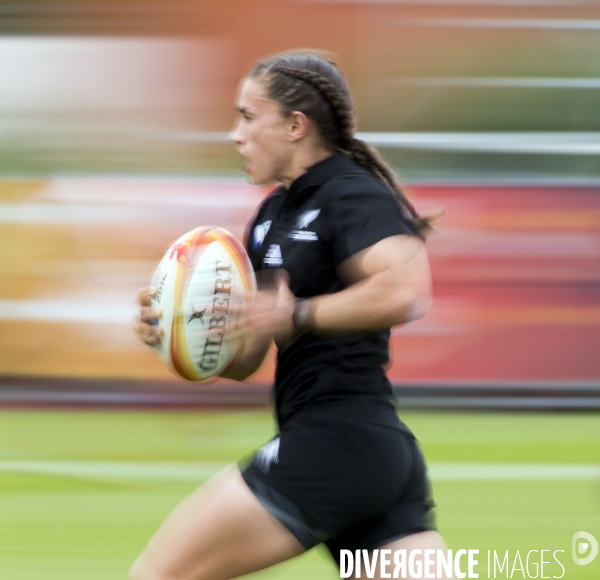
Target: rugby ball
x,y
203,282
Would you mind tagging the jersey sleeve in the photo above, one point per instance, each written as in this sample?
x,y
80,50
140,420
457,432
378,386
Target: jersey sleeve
x,y
362,217
251,249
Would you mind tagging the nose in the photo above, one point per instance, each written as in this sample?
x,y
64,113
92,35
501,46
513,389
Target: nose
x,y
237,133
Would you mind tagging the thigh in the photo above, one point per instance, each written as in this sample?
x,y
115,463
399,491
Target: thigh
x,y
220,531
422,541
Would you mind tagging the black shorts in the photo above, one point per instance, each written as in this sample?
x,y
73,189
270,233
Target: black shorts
x,y
351,477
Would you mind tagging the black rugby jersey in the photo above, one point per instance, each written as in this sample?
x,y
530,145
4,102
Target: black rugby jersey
x,y
331,212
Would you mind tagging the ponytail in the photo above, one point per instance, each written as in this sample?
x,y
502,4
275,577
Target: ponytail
x,y
315,86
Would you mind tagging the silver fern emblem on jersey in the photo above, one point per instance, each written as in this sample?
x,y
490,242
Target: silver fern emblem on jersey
x,y
306,217
301,234
266,455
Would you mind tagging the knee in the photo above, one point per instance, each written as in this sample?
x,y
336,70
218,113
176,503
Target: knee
x,y
142,571
137,572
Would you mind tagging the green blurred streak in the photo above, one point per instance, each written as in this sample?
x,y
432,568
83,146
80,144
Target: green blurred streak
x,y
139,436
527,437
68,528
226,436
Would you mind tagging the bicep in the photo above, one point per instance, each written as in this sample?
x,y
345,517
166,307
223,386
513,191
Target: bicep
x,y
396,270
395,253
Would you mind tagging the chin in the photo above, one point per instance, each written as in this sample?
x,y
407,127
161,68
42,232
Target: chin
x,y
267,182
261,179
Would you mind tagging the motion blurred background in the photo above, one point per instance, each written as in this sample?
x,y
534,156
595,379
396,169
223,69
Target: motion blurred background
x,y
114,121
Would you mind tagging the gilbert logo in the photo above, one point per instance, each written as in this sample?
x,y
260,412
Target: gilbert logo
x,y
198,314
585,548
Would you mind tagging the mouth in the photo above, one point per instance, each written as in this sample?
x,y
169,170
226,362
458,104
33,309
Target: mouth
x,y
246,164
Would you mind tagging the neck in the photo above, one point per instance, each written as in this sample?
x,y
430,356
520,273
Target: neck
x,y
301,162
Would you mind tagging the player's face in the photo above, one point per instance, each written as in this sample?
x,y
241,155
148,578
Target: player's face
x,y
260,136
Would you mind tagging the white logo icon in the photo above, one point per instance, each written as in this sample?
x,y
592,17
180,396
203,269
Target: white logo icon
x,y
306,217
266,455
580,548
301,234
260,231
273,256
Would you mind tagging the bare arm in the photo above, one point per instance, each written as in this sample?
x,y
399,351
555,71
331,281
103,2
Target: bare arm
x,y
389,284
250,357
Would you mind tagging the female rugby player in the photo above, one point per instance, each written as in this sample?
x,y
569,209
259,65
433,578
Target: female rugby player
x,y
343,469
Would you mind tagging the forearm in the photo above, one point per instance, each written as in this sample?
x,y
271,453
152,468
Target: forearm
x,y
251,355
378,302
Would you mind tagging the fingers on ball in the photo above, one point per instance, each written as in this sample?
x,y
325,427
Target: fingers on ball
x,y
150,314
145,295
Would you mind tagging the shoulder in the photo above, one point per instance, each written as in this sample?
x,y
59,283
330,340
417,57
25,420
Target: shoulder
x,y
354,182
357,188
358,202
273,198
262,212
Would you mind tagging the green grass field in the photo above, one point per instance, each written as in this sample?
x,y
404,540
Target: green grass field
x,y
81,492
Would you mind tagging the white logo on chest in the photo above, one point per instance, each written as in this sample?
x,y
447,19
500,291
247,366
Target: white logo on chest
x,y
273,256
301,234
260,231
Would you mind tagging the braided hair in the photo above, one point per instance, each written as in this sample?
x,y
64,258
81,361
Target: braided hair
x,y
311,83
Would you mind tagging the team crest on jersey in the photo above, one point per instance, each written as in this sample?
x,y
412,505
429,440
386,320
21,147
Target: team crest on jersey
x,y
260,231
301,234
266,455
273,256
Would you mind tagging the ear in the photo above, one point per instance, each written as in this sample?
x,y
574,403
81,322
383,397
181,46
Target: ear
x,y
297,126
